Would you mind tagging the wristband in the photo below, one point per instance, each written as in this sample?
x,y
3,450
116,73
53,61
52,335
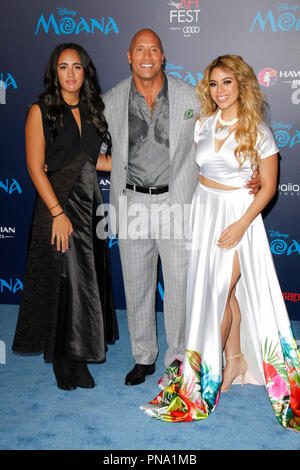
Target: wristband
x,y
54,206
62,212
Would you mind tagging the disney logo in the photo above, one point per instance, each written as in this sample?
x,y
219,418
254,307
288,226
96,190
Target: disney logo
x,y
65,11
277,125
276,233
178,72
280,247
173,67
286,6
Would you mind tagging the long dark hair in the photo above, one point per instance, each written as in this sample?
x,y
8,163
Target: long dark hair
x,y
90,94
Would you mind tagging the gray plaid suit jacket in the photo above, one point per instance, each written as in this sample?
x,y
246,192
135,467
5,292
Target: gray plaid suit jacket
x,y
183,169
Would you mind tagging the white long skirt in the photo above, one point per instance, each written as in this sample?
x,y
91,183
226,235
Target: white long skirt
x,y
267,340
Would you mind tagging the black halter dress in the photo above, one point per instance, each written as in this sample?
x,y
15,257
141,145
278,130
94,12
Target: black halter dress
x,y
67,302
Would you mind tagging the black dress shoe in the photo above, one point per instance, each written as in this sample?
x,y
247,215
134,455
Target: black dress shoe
x,y
138,373
64,374
82,375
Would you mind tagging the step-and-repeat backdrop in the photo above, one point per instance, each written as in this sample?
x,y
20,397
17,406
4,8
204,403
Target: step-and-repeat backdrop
x,y
265,32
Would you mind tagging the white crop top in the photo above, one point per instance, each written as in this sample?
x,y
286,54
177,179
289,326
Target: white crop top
x,y
222,166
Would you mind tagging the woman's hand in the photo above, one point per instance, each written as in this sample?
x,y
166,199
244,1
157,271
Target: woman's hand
x,y
232,235
255,183
61,230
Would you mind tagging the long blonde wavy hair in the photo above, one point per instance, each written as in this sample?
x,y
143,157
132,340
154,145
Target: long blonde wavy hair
x,y
251,104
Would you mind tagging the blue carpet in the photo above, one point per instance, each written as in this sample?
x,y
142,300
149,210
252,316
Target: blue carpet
x,y
35,414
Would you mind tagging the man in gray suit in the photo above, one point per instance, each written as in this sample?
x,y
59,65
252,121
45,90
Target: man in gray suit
x,y
151,118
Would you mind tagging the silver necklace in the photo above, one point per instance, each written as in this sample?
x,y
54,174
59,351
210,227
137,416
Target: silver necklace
x,y
222,132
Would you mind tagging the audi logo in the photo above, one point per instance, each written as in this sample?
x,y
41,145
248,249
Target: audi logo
x,y
191,29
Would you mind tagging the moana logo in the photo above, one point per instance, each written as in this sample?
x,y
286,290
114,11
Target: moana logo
x,y
178,72
10,186
68,24
11,285
281,245
284,134
286,21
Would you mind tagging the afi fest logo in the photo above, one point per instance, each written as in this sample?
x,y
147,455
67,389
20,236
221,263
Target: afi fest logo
x,y
184,16
66,23
6,80
276,22
268,77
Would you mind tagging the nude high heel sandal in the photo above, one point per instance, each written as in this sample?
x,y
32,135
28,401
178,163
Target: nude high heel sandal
x,y
242,372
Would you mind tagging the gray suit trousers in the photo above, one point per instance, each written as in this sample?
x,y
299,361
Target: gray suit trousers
x,y
147,231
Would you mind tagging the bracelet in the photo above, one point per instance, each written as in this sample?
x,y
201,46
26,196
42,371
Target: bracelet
x,y
62,212
54,206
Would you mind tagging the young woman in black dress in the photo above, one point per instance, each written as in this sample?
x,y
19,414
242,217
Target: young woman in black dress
x,y
66,308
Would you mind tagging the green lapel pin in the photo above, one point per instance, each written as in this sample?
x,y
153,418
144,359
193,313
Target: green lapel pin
x,y
188,114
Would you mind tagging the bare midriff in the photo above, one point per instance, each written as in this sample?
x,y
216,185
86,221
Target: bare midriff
x,y
214,184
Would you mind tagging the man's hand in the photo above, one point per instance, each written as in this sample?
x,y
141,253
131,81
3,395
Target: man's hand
x,y
255,183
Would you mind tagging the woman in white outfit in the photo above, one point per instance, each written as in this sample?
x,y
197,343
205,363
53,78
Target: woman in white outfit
x,y
235,311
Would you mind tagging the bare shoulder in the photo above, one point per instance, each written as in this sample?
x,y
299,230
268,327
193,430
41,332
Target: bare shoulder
x,y
34,114
34,123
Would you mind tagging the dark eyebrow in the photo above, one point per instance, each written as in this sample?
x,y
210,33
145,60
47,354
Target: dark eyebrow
x,y
73,63
145,45
226,78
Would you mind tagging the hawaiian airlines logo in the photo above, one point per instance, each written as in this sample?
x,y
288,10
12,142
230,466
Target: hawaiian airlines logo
x,y
184,16
66,23
282,244
7,232
179,72
279,21
267,77
285,135
6,80
104,184
289,189
10,186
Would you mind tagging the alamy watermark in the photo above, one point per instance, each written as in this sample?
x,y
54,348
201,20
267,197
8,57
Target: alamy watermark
x,y
2,352
2,92
143,221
